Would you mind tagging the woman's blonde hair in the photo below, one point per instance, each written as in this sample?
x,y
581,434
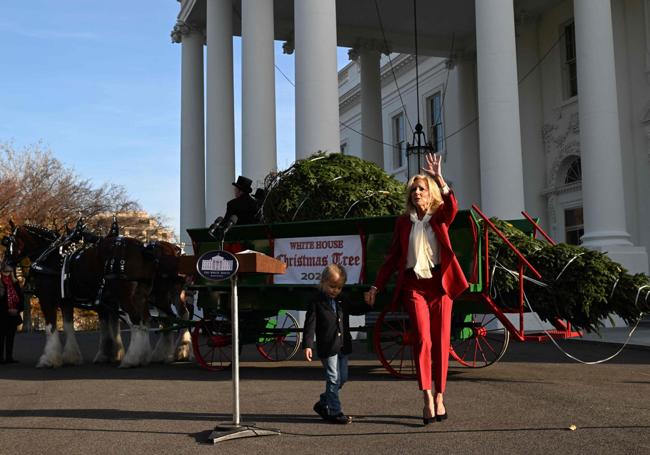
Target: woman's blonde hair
x,y
434,193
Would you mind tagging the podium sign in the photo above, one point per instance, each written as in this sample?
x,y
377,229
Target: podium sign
x,y
217,265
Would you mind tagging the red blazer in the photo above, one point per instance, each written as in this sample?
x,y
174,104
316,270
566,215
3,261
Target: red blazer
x,y
453,278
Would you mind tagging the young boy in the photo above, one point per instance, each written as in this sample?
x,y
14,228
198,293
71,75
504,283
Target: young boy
x,y
328,318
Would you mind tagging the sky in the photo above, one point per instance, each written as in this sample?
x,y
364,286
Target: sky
x,y
98,84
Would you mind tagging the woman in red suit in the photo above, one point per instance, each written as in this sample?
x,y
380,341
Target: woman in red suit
x,y
429,278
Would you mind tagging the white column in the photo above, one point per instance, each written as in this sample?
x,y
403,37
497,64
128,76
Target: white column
x,y
220,121
502,183
258,90
600,142
371,124
192,134
461,164
317,98
532,119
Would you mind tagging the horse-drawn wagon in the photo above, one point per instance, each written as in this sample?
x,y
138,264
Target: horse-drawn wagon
x,y
269,308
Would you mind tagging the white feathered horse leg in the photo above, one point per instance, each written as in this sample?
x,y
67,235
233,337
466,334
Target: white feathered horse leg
x,y
51,357
117,354
139,351
164,350
111,348
103,353
184,343
71,352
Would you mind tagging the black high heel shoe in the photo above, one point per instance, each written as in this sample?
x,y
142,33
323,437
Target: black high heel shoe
x,y
426,420
441,417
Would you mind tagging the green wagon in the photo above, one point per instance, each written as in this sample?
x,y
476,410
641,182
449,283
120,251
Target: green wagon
x,y
481,330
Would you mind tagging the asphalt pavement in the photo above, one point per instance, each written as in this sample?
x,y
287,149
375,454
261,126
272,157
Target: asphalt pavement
x,y
528,402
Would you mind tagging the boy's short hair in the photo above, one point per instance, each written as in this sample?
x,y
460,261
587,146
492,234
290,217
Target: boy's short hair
x,y
331,270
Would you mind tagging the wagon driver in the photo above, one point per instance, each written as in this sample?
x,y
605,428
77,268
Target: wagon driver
x,y
243,205
429,278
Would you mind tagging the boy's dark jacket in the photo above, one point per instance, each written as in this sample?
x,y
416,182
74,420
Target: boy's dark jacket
x,y
332,329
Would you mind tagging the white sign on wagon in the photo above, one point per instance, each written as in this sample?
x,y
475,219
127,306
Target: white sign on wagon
x,y
306,257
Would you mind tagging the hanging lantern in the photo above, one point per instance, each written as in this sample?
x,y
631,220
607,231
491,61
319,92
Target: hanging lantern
x,y
416,151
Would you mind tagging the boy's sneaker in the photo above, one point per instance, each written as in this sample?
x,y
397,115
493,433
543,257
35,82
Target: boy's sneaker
x,y
340,419
321,410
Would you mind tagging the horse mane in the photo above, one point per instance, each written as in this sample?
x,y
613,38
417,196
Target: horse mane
x,y
167,247
41,231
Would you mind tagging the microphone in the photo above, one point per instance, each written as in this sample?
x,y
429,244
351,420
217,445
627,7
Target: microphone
x,y
219,228
215,226
225,227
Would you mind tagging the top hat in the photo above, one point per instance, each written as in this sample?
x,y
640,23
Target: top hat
x,y
244,184
259,194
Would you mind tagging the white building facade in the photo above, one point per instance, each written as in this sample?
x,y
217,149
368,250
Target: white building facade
x,y
537,105
548,83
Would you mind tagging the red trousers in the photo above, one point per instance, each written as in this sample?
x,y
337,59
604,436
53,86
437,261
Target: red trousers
x,y
429,309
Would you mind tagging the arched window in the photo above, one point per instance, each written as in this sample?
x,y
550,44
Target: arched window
x,y
574,172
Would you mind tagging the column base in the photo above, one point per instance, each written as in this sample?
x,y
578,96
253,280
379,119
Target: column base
x,y
601,240
633,258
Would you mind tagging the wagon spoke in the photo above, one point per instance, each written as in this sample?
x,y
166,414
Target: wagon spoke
x,y
283,339
477,343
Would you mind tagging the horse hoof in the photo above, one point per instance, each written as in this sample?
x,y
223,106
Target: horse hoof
x,y
182,354
47,363
72,359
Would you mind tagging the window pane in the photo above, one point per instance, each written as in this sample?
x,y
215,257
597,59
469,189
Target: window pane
x,y
439,138
569,68
435,129
573,225
574,173
573,218
570,41
398,141
436,108
573,237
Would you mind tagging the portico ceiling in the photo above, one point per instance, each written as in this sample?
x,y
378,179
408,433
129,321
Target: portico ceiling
x,y
439,21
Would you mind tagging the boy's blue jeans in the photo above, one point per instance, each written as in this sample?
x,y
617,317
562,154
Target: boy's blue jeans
x,y
336,374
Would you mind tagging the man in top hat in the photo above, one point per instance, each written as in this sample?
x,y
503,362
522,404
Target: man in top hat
x,y
244,206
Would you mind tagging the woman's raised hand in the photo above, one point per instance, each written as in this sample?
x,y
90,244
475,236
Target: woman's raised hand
x,y
434,164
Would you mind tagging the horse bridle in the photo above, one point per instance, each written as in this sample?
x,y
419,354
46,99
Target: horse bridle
x,y
9,241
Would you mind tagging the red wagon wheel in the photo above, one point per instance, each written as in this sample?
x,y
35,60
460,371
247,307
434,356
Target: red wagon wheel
x,y
393,342
283,339
478,340
211,342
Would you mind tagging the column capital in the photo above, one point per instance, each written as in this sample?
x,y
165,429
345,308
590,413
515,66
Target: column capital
x,y
458,57
181,29
288,47
364,44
